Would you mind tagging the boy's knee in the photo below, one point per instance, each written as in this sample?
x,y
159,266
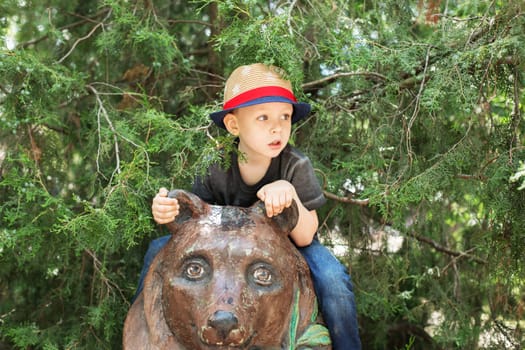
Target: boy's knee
x,y
335,281
158,243
154,248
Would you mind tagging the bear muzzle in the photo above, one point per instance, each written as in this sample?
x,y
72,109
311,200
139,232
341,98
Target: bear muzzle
x,y
223,329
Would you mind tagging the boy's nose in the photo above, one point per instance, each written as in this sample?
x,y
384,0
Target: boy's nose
x,y
276,127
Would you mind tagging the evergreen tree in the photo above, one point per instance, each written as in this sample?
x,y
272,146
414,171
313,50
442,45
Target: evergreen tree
x,y
417,134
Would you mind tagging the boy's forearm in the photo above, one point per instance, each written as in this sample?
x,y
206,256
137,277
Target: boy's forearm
x,y
307,224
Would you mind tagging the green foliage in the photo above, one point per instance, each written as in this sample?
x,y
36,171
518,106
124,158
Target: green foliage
x,y
34,88
140,34
417,132
24,336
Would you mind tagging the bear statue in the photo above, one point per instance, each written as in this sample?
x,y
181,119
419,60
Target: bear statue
x,y
229,278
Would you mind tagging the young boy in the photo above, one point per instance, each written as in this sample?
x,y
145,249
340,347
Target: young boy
x,y
259,108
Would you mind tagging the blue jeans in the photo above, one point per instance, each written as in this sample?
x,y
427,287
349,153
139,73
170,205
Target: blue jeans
x,y
332,284
154,248
335,293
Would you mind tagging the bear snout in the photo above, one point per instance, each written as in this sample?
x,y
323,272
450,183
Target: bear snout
x,y
223,322
223,329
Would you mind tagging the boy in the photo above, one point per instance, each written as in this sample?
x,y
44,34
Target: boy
x,y
259,108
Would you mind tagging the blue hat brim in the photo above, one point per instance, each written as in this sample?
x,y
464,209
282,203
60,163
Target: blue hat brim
x,y
300,109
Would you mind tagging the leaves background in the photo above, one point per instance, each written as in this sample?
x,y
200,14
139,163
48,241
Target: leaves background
x,y
418,104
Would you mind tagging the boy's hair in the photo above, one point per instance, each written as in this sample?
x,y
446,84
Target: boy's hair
x,y
255,84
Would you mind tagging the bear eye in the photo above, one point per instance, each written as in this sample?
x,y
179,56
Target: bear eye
x,y
195,269
262,276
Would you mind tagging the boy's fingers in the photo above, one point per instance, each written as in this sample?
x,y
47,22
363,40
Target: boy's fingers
x,y
165,201
284,200
163,215
278,206
289,199
165,210
274,208
162,221
261,195
269,209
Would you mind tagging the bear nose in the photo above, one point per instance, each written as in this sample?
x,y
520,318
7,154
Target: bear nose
x,y
223,322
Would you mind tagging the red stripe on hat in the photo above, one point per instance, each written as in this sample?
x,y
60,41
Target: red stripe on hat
x,y
256,93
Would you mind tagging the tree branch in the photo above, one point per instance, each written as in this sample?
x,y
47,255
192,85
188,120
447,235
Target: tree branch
x,y
87,36
103,112
472,177
445,250
415,113
4,90
69,26
516,113
99,269
361,202
189,21
329,79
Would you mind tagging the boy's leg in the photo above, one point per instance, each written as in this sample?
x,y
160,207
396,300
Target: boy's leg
x,y
154,247
335,295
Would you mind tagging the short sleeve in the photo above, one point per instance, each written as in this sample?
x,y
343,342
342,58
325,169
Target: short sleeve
x,y
298,170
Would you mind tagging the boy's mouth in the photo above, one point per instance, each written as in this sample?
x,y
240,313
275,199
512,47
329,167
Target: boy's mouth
x,y
276,143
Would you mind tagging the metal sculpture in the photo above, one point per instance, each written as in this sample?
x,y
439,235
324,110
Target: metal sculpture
x,y
228,278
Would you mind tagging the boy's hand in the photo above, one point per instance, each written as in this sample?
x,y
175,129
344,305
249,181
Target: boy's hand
x,y
276,196
164,209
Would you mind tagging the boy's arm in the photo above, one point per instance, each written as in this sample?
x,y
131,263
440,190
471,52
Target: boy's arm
x,y
277,196
303,233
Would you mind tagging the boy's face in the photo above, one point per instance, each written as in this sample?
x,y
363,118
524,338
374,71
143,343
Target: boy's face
x,y
263,129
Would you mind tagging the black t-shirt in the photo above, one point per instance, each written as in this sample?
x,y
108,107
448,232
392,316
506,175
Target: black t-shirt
x,y
226,187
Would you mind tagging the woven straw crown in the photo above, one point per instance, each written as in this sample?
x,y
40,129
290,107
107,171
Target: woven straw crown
x,y
254,84
251,77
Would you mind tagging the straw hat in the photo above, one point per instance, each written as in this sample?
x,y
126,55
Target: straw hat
x,y
255,84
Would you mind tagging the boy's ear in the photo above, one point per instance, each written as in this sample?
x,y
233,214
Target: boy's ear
x,y
230,122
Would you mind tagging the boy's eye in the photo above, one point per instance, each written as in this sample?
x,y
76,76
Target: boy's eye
x,y
285,117
262,117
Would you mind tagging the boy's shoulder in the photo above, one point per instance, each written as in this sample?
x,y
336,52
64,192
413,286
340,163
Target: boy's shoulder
x,y
293,154
294,162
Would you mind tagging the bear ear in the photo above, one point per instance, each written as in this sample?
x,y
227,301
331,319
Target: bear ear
x,y
190,207
286,221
